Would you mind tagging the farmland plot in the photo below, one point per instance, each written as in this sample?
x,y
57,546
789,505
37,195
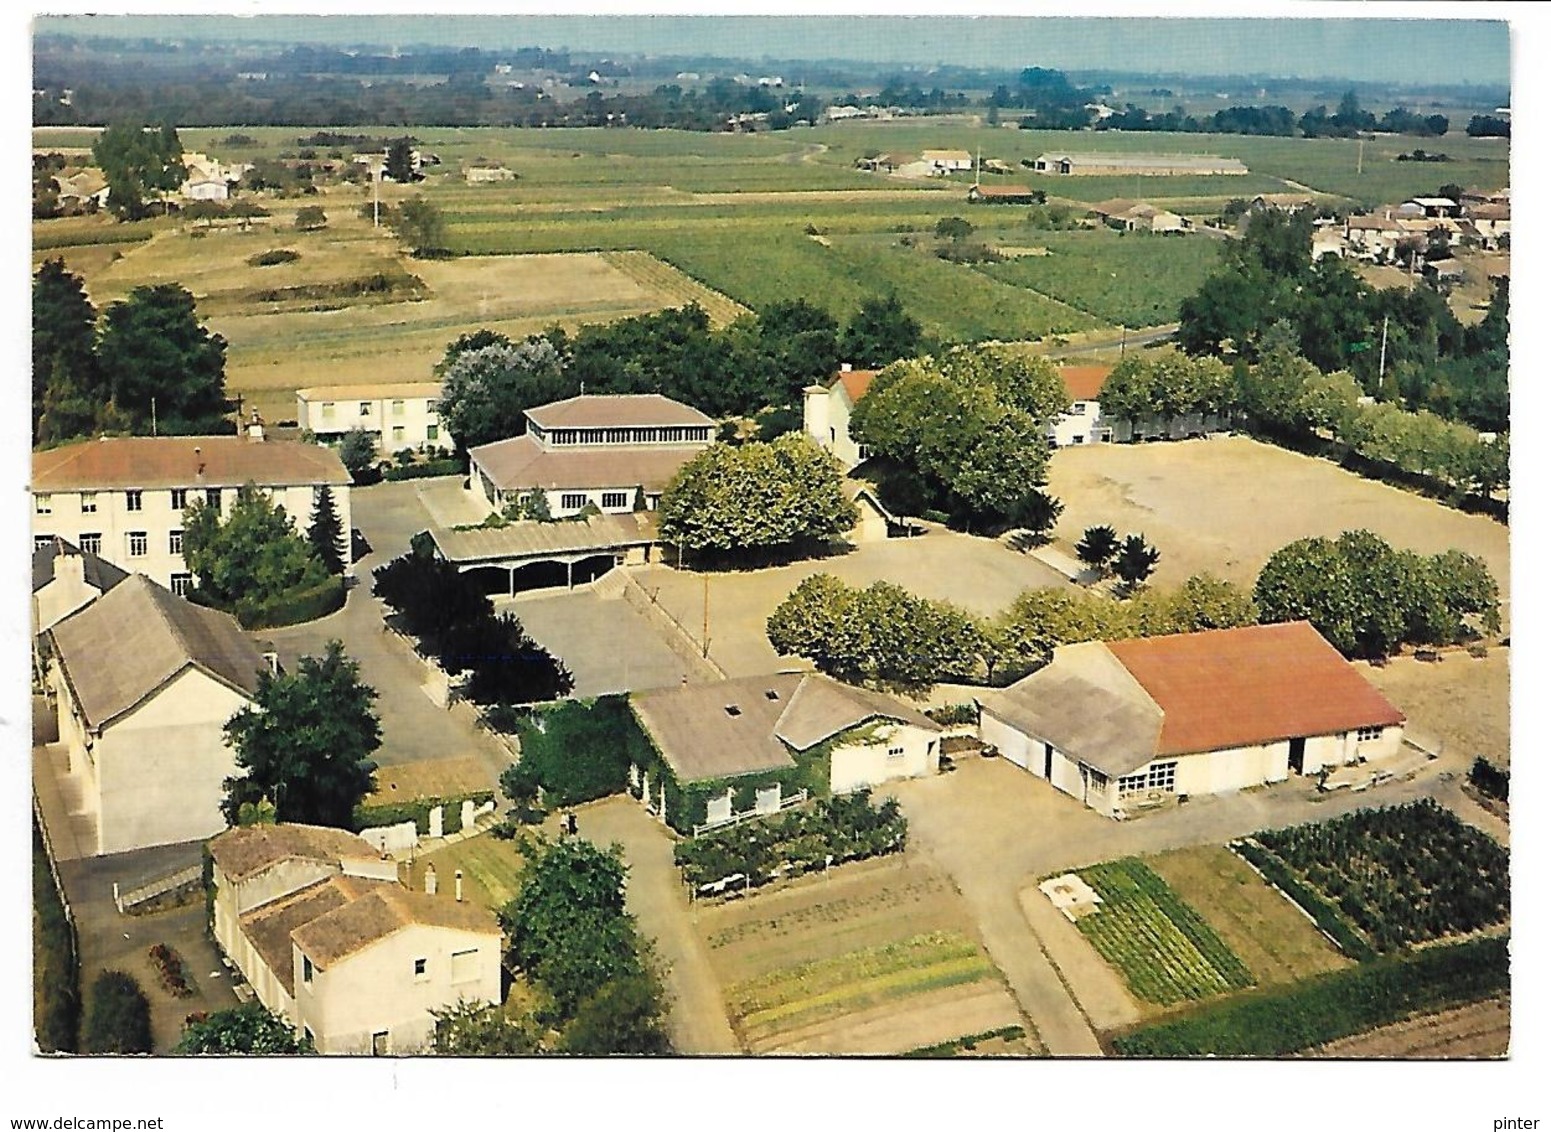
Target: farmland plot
x,y
1163,947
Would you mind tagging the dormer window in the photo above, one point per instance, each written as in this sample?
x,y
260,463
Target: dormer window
x,y
733,710
772,694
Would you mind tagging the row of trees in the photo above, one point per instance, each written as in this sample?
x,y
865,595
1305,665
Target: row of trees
x,y
756,362
1429,358
756,501
1278,121
964,434
147,363
1367,598
141,165
455,621
882,633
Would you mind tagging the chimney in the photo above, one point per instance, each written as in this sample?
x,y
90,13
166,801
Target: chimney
x,y
272,659
457,885
430,880
256,427
845,367
199,464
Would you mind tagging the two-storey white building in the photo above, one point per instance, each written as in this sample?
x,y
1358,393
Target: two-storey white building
x,y
606,450
330,941
399,415
123,498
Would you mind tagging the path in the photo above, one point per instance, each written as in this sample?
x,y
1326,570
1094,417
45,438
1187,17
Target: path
x,y
1141,338
697,1020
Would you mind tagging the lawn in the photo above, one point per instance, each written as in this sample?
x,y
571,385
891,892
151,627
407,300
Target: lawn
x,y
1165,950
1134,279
492,870
1275,940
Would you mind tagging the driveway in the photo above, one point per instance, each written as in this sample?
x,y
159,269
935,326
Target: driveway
x,y
996,830
697,1020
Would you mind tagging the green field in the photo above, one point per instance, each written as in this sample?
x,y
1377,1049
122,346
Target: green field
x,y
1135,279
1163,947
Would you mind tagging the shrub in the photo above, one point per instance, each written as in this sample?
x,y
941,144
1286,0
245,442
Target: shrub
x,y
449,466
271,258
1490,780
304,603
169,965
1326,918
1318,1010
950,715
118,1016
56,972
580,751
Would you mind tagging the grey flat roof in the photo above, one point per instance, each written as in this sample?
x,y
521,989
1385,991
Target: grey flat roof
x,y
533,539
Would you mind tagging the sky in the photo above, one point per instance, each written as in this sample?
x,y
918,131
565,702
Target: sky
x,y
1426,50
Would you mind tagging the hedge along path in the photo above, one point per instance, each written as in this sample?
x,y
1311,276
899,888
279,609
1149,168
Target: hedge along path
x,y
1165,950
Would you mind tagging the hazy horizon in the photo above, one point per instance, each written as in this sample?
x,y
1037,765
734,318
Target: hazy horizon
x,y
1443,51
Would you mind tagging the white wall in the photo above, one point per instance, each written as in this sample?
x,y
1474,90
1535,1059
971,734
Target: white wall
x,y
1012,744
826,417
395,422
869,764
376,989
68,592
160,769
1084,426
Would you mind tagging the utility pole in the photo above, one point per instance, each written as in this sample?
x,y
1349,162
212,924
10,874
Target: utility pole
x,y
705,629
153,417
1122,341
1383,349
376,205
1360,157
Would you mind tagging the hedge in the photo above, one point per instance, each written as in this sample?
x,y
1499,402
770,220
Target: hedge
x,y
1309,1013
305,603
582,750
118,1016
1326,916
449,466
1490,780
418,811
56,976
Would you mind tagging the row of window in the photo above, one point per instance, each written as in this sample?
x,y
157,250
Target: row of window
x,y
134,500
137,542
1158,776
674,435
396,408
612,500
465,967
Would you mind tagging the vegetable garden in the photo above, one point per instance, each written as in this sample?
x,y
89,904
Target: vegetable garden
x,y
1400,875
1162,946
830,831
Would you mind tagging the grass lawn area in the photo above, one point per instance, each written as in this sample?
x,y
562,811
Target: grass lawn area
x,y
492,870
1133,279
1275,940
1165,950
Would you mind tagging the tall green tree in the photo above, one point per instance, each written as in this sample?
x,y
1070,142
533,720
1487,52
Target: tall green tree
x,y
487,389
140,164
1135,561
400,162
627,1015
756,498
328,538
481,1029
1097,547
880,332
358,453
253,554
247,1029
64,341
306,742
420,224
153,348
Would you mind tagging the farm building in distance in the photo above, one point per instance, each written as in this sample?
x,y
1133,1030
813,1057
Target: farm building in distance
x,y
941,162
1122,724
612,451
399,416
1138,165
1138,216
1001,194
757,736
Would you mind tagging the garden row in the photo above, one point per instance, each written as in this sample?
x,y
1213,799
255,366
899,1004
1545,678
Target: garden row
x,y
829,831
1308,1013
1162,946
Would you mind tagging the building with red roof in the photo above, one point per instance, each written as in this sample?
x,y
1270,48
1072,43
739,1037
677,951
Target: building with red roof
x,y
826,413
1122,723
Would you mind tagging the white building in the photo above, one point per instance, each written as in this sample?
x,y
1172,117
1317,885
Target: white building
x,y
399,415
144,683
1121,724
209,179
756,728
941,162
1138,216
65,579
123,497
826,414
330,941
608,451
1084,421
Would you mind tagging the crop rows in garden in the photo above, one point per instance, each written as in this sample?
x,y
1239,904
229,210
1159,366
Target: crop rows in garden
x,y
1165,950
1401,874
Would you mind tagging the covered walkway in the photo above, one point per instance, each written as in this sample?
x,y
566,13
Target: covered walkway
x,y
536,554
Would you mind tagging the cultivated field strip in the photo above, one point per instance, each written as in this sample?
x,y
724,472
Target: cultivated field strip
x,y
674,286
1165,950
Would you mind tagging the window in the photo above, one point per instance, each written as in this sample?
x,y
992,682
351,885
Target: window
x,y
465,966
41,542
133,500
181,584
614,499
366,408
88,502
420,970
179,498
380,1044
398,408
92,543
398,432
572,501
137,544
328,410
174,542
1158,777
896,752
306,969
42,504
213,497
432,432
1368,734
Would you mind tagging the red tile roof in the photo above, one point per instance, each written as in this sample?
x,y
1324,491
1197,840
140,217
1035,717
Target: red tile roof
x,y
170,461
1084,382
856,382
1226,688
618,410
